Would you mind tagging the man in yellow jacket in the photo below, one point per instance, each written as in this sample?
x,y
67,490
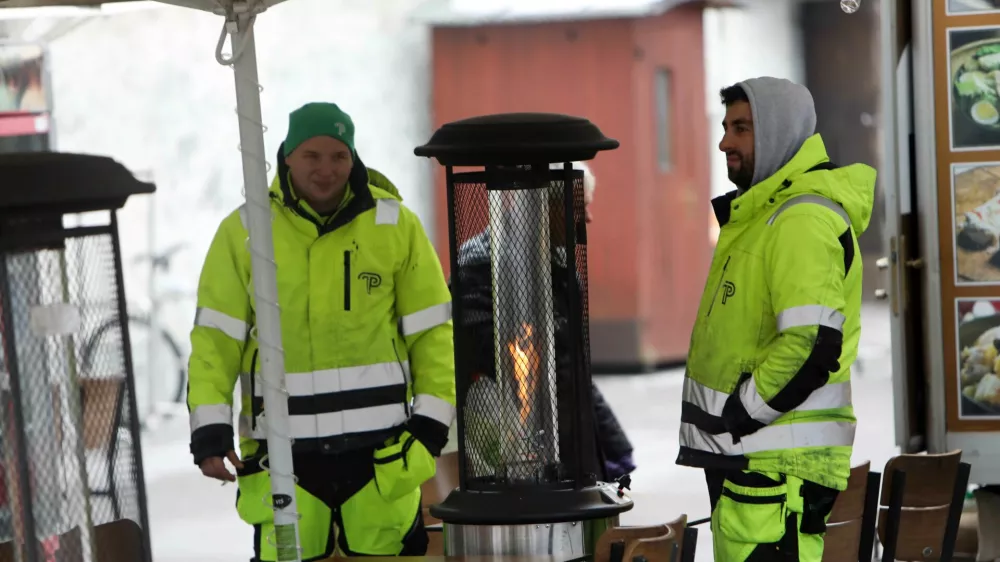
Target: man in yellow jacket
x,y
367,336
767,393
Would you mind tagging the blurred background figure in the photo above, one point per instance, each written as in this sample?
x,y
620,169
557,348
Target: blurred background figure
x,y
615,449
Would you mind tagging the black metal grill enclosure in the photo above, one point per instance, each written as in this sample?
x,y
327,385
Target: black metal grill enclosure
x,y
69,440
527,445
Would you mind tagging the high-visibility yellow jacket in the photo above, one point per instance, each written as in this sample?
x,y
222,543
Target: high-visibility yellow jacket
x,y
365,320
768,384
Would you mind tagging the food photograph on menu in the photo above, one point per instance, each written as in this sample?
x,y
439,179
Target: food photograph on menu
x,y
956,7
974,73
978,358
976,204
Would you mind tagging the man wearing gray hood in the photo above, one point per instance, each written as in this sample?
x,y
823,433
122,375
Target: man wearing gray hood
x,y
767,407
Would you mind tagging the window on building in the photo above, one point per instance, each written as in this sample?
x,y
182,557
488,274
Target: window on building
x,y
663,83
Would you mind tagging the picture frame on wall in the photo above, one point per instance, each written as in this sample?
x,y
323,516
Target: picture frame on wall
x,y
972,7
974,88
975,204
978,358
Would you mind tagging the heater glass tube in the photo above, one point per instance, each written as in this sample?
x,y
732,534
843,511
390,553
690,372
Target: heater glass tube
x,y
524,350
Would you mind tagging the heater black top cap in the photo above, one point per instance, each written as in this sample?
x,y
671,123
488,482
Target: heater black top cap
x,y
62,182
515,138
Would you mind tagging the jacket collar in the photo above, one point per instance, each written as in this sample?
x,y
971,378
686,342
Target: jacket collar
x,y
735,207
359,201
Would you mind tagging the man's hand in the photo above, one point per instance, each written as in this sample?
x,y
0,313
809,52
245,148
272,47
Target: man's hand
x,y
215,467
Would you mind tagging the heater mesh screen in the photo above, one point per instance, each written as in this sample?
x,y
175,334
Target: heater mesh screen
x,y
521,326
67,434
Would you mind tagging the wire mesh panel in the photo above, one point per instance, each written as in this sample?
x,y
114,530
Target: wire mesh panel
x,y
68,439
521,312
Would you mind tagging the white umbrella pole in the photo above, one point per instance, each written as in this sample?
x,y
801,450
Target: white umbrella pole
x,y
272,356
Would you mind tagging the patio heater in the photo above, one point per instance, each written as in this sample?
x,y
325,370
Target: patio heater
x,y
528,458
70,456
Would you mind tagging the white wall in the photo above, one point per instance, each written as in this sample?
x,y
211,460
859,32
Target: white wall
x,y
144,88
762,39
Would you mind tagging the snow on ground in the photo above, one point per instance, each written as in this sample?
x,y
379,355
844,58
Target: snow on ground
x,y
193,519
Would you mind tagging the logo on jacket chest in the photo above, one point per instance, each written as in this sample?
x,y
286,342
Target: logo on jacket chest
x,y
371,280
728,291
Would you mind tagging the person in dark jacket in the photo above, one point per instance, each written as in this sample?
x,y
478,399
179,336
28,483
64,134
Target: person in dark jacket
x,y
614,448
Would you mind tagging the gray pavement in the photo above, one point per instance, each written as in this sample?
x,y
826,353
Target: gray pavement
x,y
193,519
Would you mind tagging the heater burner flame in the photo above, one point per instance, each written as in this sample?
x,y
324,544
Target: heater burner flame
x,y
522,351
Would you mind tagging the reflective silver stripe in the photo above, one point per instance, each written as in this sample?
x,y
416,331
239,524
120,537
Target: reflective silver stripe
x,y
332,424
327,381
810,315
427,318
245,427
387,211
814,199
433,407
232,327
771,438
244,217
826,397
211,414
711,401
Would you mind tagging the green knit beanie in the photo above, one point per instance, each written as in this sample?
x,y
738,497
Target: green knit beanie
x,y
319,120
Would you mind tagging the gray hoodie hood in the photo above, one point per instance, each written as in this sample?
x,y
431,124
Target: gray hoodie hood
x,y
784,116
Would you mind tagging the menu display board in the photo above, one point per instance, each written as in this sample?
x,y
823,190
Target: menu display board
x,y
967,117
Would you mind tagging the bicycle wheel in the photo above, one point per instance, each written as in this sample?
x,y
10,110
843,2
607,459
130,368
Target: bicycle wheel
x,y
166,380
164,383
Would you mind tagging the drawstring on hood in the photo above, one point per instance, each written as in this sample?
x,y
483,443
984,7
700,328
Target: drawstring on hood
x,y
784,116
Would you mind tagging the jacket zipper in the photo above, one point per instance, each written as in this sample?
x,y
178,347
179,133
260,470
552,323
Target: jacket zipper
x,y
347,279
406,403
253,386
718,285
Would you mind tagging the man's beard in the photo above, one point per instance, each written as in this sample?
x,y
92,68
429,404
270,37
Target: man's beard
x,y
742,177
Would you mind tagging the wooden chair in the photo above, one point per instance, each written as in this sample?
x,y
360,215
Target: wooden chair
x,y
117,541
613,543
850,530
435,491
685,537
921,505
103,409
658,549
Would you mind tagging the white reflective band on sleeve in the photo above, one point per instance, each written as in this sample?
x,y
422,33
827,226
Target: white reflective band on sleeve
x,y
810,315
211,414
232,327
771,438
433,407
826,397
245,429
815,200
332,424
755,405
387,211
427,318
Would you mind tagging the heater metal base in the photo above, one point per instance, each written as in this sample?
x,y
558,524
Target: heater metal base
x,y
565,541
526,522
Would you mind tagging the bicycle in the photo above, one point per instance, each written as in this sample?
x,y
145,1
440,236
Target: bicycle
x,y
161,390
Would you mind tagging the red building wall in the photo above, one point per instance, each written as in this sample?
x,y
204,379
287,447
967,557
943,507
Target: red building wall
x,y
648,245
